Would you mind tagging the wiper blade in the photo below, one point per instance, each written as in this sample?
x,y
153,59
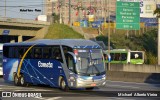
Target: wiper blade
x,y
96,68
83,74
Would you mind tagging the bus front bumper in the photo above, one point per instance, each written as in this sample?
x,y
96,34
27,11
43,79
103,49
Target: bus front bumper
x,y
90,83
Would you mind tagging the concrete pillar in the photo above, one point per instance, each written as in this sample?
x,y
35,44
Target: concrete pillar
x,y
20,38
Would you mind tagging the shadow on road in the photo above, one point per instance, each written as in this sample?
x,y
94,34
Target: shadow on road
x,y
153,78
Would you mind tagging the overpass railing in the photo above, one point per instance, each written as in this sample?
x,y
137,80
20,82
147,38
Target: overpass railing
x,y
23,21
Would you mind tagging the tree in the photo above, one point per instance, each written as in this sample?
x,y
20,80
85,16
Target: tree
x,y
157,12
55,18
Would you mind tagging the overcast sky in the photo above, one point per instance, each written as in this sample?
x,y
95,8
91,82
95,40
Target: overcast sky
x,y
22,8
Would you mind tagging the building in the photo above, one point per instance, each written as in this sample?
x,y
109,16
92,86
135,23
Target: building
x,y
76,10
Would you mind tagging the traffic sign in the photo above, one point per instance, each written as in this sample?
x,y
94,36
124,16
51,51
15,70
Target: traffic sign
x,y
127,15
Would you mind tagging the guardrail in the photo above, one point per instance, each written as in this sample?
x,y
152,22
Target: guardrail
x,y
135,68
23,21
133,77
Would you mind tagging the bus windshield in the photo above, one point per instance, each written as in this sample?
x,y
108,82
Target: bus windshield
x,y
90,62
136,55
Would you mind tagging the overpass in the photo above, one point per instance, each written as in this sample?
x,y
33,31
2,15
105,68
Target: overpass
x,y
18,30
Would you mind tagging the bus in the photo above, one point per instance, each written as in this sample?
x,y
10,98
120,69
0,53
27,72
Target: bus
x,y
62,63
126,56
1,58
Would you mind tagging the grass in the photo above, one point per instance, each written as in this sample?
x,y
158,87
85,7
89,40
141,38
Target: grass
x,y
61,31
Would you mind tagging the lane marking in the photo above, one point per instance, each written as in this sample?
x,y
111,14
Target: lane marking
x,y
40,98
123,86
117,98
54,98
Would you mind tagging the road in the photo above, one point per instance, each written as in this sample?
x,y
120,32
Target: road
x,y
109,92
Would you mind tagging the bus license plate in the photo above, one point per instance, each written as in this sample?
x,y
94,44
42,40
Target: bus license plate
x,y
93,84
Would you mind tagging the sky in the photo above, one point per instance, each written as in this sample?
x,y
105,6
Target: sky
x,y
26,9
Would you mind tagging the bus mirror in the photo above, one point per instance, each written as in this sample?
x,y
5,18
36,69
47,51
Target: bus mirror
x,y
74,56
107,57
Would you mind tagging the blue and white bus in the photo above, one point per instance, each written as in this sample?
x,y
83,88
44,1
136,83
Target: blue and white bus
x,y
63,63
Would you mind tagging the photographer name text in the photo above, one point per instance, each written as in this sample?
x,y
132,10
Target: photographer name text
x,y
30,10
137,94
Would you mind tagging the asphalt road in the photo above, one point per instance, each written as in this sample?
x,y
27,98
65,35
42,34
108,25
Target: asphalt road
x,y
139,91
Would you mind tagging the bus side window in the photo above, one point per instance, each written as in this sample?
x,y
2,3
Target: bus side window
x,y
67,49
70,62
56,53
20,52
47,52
29,54
112,56
123,56
117,57
11,52
16,54
37,52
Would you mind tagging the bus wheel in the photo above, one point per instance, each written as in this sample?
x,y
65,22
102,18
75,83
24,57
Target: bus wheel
x,y
63,85
22,81
90,88
16,80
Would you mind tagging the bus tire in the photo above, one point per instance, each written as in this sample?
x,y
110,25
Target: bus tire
x,y
90,88
63,85
16,80
22,81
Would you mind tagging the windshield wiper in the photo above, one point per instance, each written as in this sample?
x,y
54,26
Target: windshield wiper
x,y
96,68
80,73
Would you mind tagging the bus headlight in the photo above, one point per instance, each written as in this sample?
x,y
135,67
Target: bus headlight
x,y
104,77
79,79
71,78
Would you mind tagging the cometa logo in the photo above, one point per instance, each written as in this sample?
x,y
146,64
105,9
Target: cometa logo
x,y
45,65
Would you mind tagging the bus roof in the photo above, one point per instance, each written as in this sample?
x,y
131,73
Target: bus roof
x,y
74,43
118,51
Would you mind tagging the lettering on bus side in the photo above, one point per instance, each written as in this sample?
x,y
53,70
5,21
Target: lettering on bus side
x,y
45,65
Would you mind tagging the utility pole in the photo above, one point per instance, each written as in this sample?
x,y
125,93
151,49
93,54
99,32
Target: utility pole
x,y
108,33
60,7
104,14
104,9
158,41
69,21
158,47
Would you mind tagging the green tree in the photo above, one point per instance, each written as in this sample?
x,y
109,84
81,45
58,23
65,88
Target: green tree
x,y
157,12
55,18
